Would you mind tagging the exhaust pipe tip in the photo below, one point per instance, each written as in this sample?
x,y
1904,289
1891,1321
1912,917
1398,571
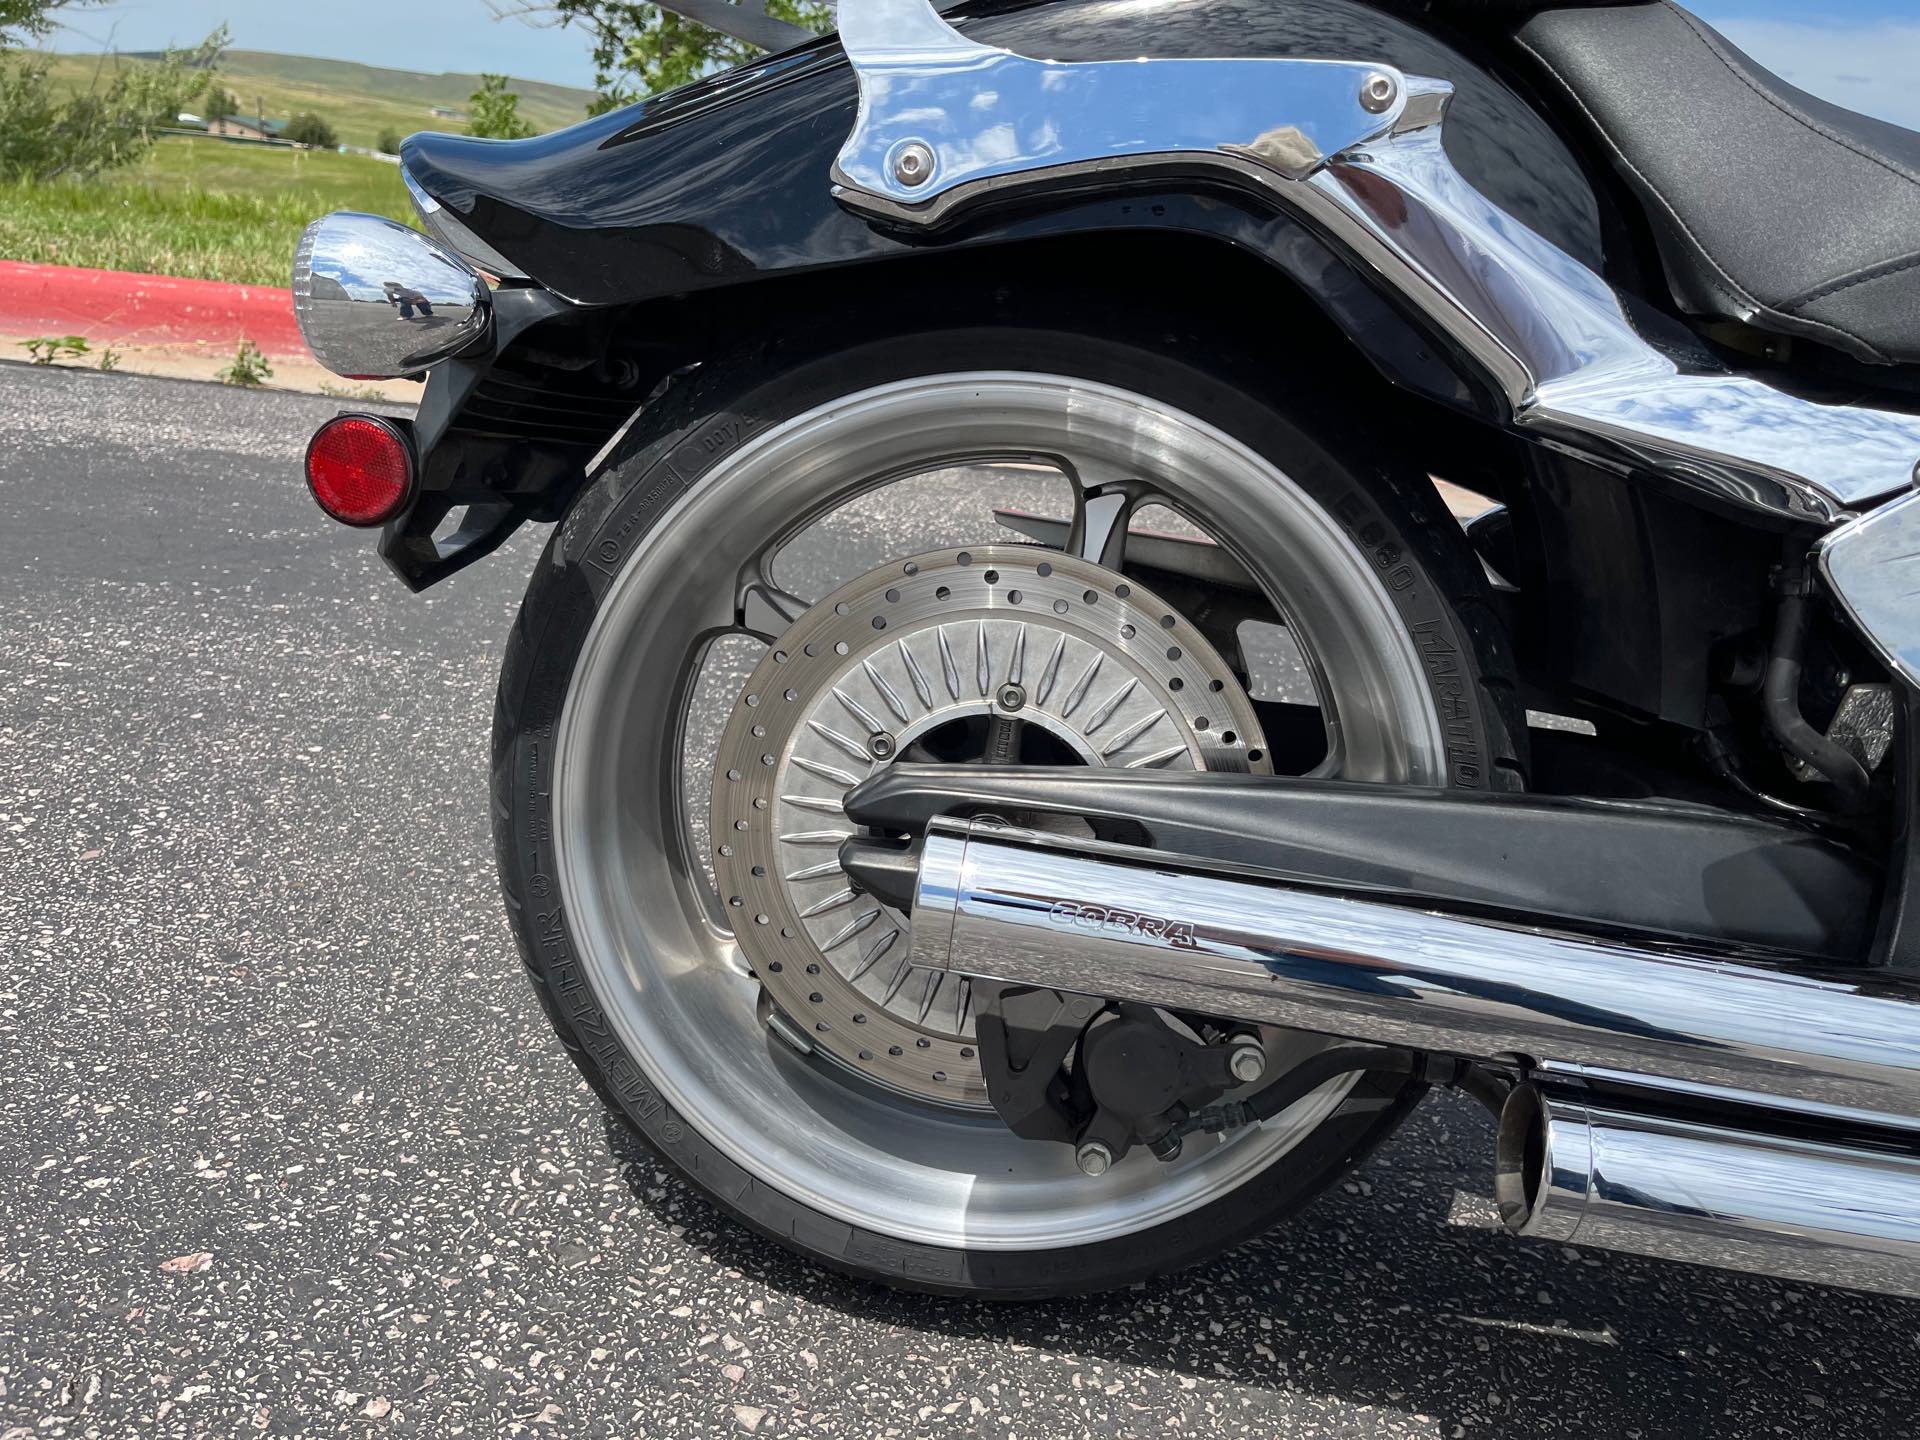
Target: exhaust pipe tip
x,y
1539,1182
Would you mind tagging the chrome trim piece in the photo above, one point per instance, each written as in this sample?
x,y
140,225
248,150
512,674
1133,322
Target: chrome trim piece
x,y
376,299
1648,1184
1872,568
983,116
1553,337
1188,934
1557,342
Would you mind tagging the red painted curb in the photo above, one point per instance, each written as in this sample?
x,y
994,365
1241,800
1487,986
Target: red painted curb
x,y
120,308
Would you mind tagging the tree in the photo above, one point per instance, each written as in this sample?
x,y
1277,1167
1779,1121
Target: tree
x,y
495,111
46,133
389,141
308,128
219,104
25,20
640,49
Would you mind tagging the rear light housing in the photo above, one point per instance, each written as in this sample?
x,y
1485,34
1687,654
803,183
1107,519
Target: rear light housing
x,y
360,469
377,299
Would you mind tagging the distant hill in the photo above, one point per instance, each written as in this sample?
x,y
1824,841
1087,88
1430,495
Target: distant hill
x,y
562,103
358,100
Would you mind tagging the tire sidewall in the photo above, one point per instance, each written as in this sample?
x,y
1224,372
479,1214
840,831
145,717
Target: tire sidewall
x,y
696,426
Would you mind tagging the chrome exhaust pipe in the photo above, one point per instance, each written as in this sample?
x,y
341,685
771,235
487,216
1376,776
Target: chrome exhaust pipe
x,y
1646,1184
1189,934
1824,1187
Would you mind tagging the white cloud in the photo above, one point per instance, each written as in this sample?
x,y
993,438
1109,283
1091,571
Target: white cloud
x,y
1866,67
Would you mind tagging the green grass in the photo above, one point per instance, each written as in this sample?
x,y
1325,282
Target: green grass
x,y
201,208
359,101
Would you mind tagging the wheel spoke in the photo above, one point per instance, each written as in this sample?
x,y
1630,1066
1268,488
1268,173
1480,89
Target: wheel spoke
x,y
1099,530
1334,762
1102,506
764,610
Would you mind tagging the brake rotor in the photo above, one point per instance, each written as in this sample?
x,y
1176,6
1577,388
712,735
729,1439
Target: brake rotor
x,y
991,654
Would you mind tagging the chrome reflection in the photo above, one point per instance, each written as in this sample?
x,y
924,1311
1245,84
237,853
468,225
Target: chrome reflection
x,y
1819,1065
376,299
1187,934
1649,1184
1872,567
1557,341
941,115
945,122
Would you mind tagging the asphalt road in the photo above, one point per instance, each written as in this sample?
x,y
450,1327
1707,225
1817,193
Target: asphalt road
x,y
285,1146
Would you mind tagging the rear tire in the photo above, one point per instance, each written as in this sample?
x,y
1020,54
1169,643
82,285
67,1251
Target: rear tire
x,y
1382,504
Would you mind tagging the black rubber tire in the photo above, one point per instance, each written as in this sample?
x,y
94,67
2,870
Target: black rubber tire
x,y
1385,503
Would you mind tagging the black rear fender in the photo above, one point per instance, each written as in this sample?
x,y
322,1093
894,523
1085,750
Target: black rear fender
x,y
727,181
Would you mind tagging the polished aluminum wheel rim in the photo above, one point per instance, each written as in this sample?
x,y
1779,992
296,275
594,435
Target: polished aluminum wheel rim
x,y
657,942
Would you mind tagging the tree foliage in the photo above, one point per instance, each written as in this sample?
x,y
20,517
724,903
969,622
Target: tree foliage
x,y
45,134
640,49
389,141
24,21
307,128
219,103
494,111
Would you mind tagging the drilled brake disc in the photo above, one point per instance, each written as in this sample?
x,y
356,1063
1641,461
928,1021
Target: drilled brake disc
x,y
1003,652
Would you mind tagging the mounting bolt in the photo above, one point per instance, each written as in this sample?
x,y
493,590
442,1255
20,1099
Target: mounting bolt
x,y
1012,697
1377,93
1248,1062
913,164
881,746
1093,1158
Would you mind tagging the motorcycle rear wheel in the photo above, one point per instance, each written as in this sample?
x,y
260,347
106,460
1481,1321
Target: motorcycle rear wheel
x,y
631,947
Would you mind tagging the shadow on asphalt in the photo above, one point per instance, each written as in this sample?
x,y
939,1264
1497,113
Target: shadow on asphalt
x,y
1375,1296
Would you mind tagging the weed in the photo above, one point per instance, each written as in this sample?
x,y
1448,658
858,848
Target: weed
x,y
45,349
109,358
249,367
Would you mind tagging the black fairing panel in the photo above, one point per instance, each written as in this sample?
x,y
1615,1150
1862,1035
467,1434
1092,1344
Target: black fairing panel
x,y
726,180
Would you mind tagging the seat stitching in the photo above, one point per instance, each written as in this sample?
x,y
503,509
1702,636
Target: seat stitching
x,y
1871,273
1731,289
1708,38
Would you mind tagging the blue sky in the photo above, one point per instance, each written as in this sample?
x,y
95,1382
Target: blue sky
x,y
1864,54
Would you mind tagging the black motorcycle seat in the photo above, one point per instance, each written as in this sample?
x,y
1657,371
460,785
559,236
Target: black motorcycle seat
x,y
1770,206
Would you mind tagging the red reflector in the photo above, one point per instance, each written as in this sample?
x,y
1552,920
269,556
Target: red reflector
x,y
360,469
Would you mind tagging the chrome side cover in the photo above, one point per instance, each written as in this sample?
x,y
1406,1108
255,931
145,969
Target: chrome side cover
x,y
946,123
376,299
